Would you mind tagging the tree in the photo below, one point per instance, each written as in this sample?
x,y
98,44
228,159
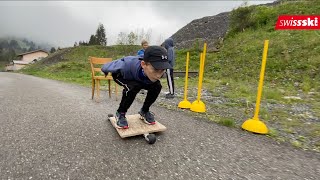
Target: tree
x,y
11,54
160,39
140,35
101,35
122,38
32,45
14,44
53,50
148,35
4,44
31,48
93,40
143,34
25,40
132,38
75,44
244,3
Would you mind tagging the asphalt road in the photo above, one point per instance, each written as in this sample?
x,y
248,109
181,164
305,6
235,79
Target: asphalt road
x,y
53,130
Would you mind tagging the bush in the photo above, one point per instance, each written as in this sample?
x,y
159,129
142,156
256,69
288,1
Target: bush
x,y
251,17
262,16
240,19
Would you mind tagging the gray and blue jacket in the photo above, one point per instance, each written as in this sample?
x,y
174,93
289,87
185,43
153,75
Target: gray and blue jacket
x,y
141,52
168,44
129,67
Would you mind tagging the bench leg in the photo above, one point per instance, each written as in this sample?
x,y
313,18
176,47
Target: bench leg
x,y
93,87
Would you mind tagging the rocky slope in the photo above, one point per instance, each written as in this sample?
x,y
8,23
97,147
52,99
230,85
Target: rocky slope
x,y
210,29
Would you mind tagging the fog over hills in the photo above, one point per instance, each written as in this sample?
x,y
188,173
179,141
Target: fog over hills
x,y
63,23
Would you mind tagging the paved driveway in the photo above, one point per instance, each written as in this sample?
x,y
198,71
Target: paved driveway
x,y
53,130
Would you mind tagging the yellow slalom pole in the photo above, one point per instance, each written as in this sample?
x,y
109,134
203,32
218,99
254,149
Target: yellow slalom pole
x,y
254,124
203,55
185,103
263,67
200,77
198,105
186,79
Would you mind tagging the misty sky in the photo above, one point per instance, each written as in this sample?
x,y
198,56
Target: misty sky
x,y
61,23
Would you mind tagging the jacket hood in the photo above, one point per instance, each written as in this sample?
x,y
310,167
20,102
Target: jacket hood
x,y
168,43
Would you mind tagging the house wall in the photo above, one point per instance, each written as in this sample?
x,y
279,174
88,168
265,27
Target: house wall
x,y
18,66
14,67
32,56
9,68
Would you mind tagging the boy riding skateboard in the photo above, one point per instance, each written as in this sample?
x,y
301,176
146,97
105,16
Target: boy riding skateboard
x,y
135,73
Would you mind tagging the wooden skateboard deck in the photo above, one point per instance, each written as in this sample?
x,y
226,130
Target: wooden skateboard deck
x,y
137,126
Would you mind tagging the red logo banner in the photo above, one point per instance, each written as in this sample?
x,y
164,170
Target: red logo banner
x,y
302,22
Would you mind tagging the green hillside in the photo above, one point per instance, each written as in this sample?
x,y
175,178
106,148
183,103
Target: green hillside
x,y
290,104
72,65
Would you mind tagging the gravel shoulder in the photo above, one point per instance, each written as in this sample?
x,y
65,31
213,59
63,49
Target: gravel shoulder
x,y
296,123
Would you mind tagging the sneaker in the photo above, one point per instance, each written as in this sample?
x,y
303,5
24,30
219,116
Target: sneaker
x,y
122,122
169,96
147,117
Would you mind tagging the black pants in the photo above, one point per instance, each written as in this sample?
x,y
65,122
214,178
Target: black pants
x,y
170,80
131,89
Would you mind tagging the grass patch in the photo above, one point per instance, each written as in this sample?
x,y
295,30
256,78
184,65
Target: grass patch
x,y
226,122
264,114
271,93
273,133
292,123
221,120
289,130
314,130
296,143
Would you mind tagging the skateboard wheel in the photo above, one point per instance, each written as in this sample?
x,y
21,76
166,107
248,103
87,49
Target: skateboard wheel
x,y
151,138
110,115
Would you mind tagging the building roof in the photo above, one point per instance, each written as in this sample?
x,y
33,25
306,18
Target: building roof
x,y
30,52
19,62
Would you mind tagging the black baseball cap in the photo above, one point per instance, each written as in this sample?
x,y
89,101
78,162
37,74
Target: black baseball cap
x,y
157,56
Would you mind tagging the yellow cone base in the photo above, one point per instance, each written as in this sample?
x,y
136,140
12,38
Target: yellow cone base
x,y
184,104
198,106
255,125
